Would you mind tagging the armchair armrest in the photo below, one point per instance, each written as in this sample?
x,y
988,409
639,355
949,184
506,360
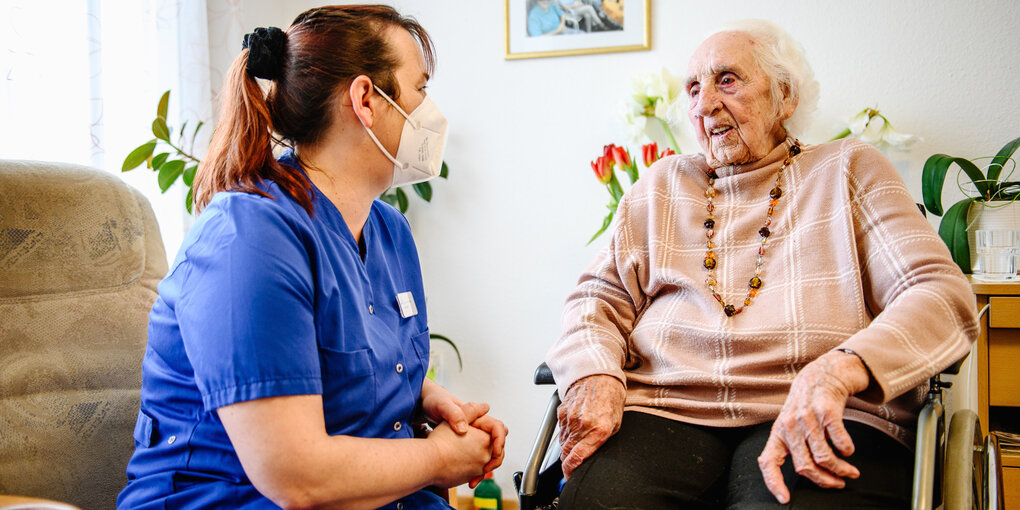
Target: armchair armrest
x,y
8,502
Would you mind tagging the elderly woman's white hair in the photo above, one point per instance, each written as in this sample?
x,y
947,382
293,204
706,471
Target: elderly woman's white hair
x,y
782,59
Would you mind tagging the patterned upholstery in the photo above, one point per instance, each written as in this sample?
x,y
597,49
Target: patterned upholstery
x,y
80,258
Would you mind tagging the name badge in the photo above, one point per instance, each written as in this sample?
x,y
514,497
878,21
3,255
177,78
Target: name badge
x,y
406,303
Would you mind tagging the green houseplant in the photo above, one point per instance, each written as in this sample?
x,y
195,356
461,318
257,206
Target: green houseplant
x,y
990,189
177,161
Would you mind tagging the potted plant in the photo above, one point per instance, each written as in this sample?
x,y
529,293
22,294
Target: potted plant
x,y
990,190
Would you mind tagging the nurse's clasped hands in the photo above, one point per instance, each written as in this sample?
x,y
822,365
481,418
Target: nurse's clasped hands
x,y
460,427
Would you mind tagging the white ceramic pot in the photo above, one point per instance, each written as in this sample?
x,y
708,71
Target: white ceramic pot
x,y
993,215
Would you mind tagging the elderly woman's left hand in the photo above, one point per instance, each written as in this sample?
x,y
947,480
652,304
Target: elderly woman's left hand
x,y
811,418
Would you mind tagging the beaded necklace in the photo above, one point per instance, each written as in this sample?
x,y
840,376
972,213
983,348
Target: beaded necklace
x,y
755,282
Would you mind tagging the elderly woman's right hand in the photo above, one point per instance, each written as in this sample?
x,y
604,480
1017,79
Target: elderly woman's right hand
x,y
591,412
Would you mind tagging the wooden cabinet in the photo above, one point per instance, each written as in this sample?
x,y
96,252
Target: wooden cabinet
x,y
998,371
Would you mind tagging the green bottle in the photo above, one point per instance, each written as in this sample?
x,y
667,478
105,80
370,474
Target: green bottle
x,y
488,495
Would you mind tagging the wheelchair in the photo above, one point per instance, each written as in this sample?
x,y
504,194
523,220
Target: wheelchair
x,y
958,470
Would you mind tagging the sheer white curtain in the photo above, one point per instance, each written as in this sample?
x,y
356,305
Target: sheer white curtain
x,y
82,79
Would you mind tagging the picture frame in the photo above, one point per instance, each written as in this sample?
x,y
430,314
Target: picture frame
x,y
558,28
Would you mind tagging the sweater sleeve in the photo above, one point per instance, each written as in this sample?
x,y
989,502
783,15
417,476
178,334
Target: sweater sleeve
x,y
923,307
601,312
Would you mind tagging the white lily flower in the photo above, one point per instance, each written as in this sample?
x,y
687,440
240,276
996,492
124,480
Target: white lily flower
x,y
859,122
894,138
873,130
872,127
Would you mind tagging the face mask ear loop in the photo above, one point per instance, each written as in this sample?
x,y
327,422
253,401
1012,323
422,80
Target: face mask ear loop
x,y
402,166
395,105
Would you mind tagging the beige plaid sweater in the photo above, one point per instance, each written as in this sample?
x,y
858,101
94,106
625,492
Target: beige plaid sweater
x,y
851,263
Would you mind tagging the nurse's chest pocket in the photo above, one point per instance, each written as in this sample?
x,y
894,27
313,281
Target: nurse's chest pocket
x,y
348,389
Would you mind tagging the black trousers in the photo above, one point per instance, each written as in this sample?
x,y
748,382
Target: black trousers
x,y
655,462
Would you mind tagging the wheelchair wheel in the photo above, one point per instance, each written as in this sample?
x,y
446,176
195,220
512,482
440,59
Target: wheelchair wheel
x,y
964,473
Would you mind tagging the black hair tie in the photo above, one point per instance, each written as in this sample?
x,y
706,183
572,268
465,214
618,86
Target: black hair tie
x,y
266,49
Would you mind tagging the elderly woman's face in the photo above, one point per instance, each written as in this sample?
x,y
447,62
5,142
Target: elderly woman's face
x,y
730,108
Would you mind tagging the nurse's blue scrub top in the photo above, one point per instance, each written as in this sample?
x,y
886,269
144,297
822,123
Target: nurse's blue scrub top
x,y
264,300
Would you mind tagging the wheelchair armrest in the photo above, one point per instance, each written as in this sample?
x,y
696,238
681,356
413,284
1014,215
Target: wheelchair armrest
x,y
543,375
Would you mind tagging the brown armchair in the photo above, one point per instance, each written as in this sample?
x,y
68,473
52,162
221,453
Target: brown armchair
x,y
80,258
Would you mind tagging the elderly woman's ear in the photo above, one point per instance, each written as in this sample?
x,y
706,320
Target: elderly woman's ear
x,y
788,104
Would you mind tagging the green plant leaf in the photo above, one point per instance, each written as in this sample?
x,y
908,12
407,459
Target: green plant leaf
x,y
138,156
160,129
158,160
401,201
1000,159
168,173
436,336
605,224
445,171
953,231
180,134
389,198
195,134
164,102
189,200
933,176
424,190
189,175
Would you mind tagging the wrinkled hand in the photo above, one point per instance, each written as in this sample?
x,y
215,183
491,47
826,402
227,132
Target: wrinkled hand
x,y
590,413
811,418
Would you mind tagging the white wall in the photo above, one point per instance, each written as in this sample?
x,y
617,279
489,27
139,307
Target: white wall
x,y
503,242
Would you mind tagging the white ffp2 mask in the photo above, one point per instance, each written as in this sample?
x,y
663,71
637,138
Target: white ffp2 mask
x,y
422,141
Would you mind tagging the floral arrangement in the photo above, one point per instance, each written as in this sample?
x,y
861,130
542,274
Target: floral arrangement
x,y
654,95
650,108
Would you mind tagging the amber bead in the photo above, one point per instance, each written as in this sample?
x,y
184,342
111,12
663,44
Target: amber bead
x,y
710,281
710,192
717,297
710,233
710,207
764,232
747,301
709,223
795,149
709,262
754,283
730,310
752,292
774,202
712,174
711,245
776,193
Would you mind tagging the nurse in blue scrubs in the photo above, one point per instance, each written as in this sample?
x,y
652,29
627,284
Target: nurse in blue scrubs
x,y
287,348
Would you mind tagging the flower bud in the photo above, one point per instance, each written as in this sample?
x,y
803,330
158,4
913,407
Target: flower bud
x,y
603,169
650,153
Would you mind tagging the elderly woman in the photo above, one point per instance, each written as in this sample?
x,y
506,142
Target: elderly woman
x,y
762,300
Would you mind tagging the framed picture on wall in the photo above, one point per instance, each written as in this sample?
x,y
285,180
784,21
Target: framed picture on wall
x,y
556,28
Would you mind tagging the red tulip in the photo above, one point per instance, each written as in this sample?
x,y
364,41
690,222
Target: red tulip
x,y
650,153
621,156
603,168
607,151
667,152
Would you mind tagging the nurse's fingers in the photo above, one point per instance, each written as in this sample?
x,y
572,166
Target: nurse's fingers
x,y
474,410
